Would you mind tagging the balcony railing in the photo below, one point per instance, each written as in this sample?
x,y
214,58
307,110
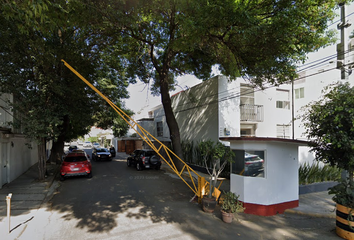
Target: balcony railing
x,y
251,113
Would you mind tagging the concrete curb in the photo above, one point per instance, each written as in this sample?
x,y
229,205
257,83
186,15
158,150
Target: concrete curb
x,y
316,215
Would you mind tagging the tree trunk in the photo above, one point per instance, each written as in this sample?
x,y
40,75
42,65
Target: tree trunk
x,y
57,152
41,160
171,121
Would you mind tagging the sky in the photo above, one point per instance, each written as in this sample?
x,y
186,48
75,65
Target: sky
x,y
141,101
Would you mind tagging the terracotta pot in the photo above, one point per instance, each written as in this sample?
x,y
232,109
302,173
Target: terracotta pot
x,y
227,217
208,204
344,227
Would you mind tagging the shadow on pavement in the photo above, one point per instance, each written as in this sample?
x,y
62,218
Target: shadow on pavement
x,y
122,201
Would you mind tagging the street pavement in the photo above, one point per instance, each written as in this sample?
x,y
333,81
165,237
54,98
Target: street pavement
x,y
29,198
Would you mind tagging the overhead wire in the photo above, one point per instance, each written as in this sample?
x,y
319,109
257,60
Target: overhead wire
x,y
307,66
230,95
226,93
239,94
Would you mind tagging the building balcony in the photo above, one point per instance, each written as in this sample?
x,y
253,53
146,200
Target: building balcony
x,y
251,113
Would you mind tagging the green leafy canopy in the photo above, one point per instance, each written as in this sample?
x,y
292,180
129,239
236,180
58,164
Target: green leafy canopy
x,y
330,126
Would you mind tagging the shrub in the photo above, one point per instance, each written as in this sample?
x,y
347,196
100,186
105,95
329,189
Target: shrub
x,y
315,173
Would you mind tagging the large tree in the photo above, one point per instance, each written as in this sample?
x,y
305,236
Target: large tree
x,y
54,104
262,40
330,127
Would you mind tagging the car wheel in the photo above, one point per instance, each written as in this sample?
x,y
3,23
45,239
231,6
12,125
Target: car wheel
x,y
61,178
138,167
128,163
89,175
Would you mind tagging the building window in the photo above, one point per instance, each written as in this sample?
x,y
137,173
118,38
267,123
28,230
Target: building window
x,y
283,104
283,131
283,100
246,132
299,93
247,94
159,128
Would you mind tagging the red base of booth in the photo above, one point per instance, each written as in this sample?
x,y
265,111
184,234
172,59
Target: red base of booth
x,y
269,210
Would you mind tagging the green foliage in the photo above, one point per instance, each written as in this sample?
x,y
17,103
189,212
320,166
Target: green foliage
x,y
230,203
187,149
93,139
343,193
198,155
50,100
315,173
110,118
192,36
330,129
219,155
156,41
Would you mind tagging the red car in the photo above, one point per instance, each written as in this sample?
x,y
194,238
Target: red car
x,y
76,164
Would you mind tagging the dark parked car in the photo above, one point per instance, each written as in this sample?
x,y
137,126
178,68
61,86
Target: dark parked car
x,y
101,154
142,159
75,164
253,165
112,150
72,147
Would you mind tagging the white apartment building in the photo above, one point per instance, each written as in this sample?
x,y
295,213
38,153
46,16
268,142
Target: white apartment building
x,y
15,154
220,108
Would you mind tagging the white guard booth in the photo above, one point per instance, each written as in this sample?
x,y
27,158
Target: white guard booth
x,y
265,173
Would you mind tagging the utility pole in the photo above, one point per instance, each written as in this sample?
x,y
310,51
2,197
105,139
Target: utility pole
x,y
292,110
342,47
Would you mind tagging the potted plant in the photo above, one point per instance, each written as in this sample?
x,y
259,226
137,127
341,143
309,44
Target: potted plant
x,y
214,153
230,205
329,123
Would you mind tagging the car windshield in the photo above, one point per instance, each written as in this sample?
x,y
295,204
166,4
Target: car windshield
x,y
102,150
75,159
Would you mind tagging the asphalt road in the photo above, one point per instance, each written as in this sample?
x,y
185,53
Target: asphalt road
x,y
119,202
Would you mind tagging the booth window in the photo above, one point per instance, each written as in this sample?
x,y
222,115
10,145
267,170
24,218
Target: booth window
x,y
249,163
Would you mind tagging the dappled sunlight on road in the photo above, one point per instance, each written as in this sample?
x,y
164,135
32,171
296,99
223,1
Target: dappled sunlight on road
x,y
120,202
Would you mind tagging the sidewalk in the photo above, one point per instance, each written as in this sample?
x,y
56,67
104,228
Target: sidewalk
x,y
28,195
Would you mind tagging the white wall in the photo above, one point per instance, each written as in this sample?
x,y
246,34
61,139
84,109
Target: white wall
x,y
159,116
272,115
280,183
21,157
229,107
149,126
196,111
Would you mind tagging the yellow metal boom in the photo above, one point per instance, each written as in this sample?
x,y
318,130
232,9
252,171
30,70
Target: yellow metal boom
x,y
199,188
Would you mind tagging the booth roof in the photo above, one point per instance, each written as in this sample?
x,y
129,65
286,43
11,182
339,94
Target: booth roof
x,y
265,139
